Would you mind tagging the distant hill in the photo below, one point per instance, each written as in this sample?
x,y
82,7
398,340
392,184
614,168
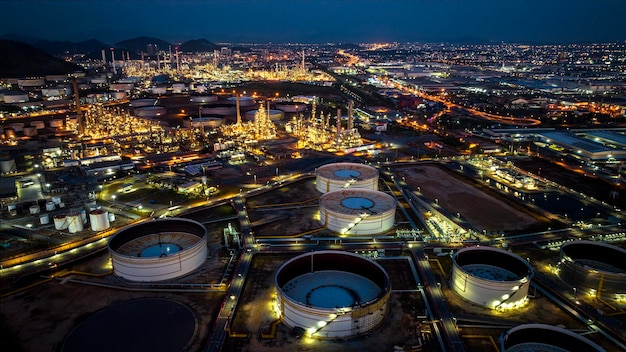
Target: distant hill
x,y
23,60
140,44
197,46
59,47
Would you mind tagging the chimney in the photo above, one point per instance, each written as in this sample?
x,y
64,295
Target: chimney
x,y
350,110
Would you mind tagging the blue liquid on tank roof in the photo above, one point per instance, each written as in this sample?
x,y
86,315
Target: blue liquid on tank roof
x,y
160,250
347,173
357,203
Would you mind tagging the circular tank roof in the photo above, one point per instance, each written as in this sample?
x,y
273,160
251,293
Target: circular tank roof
x,y
356,201
347,171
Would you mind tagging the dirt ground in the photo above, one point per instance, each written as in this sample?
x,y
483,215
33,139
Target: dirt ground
x,y
482,210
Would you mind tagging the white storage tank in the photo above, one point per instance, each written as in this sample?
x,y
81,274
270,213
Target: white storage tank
x,y
50,206
7,165
150,111
119,95
56,123
60,222
34,209
178,88
38,124
111,217
17,126
15,97
243,101
30,131
74,222
331,177
219,109
56,200
203,99
99,220
44,219
291,107
137,103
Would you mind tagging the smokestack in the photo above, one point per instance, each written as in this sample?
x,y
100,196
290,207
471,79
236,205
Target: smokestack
x,y
113,60
338,120
237,107
79,112
350,108
177,61
302,59
170,56
128,56
104,58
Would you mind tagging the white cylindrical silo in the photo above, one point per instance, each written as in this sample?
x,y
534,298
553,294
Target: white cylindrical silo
x,y
60,222
74,222
99,220
34,209
111,217
44,219
50,206
56,200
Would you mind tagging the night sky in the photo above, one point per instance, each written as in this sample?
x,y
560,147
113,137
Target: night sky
x,y
318,21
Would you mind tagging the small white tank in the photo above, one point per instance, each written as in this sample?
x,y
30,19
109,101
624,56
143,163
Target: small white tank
x,y
50,206
44,219
60,222
111,217
56,123
74,222
99,220
34,209
61,205
38,124
56,200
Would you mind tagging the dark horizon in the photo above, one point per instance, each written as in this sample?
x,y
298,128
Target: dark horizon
x,y
322,21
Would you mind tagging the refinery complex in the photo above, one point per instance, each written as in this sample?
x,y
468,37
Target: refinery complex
x,y
373,197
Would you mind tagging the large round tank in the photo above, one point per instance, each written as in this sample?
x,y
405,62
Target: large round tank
x,y
44,219
7,165
158,90
357,211
138,103
31,82
30,131
274,115
34,209
38,124
541,338
203,99
291,107
491,277
178,88
99,220
60,222
331,177
74,222
119,95
111,217
243,101
56,78
332,294
17,126
56,123
593,266
208,122
150,111
159,249
219,109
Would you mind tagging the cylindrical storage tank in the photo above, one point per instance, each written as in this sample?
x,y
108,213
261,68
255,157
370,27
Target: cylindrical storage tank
x,y
178,88
274,115
138,103
90,205
44,219
158,90
30,131
74,222
332,294
31,82
83,214
99,80
50,206
219,109
56,78
591,266
357,211
291,107
331,177
60,221
111,217
15,97
17,126
38,124
491,277
243,101
150,111
160,249
209,122
56,200
121,86
119,95
541,337
56,123
203,99
99,220
61,205
34,209
7,165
